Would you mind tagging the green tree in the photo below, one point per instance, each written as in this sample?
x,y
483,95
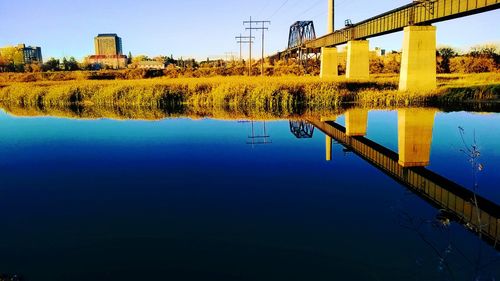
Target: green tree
x,y
171,60
64,64
52,65
486,51
129,59
444,55
71,64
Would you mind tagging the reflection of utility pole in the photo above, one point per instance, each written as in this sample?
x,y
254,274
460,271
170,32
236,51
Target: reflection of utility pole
x,y
263,29
244,40
254,138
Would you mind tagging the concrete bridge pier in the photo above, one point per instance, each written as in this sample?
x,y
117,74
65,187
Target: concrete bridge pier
x,y
418,63
356,121
358,60
329,63
415,136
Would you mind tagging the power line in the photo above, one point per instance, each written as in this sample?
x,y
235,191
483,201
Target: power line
x,y
244,40
263,28
337,4
310,8
300,14
280,7
264,8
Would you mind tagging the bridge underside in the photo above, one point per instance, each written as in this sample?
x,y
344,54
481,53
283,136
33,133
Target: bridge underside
x,y
295,52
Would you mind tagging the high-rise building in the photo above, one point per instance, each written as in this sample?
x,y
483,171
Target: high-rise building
x,y
108,52
108,45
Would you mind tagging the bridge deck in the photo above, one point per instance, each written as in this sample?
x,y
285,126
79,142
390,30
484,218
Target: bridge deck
x,y
418,13
435,189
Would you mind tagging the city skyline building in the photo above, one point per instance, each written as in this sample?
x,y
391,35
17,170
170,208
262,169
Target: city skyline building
x,y
108,44
108,51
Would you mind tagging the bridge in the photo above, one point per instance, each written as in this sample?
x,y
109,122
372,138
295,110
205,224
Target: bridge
x,y
407,167
301,32
418,65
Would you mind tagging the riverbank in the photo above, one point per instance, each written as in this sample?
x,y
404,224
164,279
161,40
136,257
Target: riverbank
x,y
219,112
257,92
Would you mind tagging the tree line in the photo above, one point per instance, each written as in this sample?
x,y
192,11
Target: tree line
x,y
449,60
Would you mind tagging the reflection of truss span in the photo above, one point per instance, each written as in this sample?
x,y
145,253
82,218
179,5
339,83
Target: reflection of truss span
x,y
300,33
445,195
302,129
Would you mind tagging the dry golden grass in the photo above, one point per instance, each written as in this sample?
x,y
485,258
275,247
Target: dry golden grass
x,y
255,91
278,94
193,112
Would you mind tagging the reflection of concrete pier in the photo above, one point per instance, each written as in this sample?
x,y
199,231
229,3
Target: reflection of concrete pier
x,y
415,136
414,133
356,122
328,148
407,167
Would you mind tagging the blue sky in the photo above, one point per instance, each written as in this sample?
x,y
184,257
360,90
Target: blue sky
x,y
200,28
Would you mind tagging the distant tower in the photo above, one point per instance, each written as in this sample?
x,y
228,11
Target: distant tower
x,y
108,44
331,16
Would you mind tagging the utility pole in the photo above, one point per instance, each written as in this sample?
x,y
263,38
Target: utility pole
x,y
229,55
263,29
250,59
243,40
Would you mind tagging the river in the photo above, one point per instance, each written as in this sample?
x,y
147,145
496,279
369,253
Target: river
x,y
363,195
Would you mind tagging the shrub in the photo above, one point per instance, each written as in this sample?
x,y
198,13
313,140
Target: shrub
x,y
469,64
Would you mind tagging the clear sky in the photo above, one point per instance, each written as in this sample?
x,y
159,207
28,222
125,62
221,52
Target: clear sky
x,y
200,28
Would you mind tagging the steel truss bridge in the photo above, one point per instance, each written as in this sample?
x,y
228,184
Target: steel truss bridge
x,y
419,12
301,32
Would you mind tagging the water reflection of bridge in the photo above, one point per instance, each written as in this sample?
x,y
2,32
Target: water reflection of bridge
x,y
408,167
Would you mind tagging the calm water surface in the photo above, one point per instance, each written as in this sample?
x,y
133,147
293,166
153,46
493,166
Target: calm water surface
x,y
183,199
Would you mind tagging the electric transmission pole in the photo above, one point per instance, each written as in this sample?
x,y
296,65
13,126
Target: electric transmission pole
x,y
263,28
243,40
